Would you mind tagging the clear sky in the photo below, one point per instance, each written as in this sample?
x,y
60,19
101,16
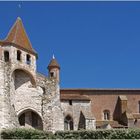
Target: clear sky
x,y
97,44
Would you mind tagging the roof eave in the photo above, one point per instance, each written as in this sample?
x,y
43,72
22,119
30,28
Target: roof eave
x,y
3,43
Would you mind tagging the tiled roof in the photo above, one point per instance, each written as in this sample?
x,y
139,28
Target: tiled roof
x,y
18,36
53,63
67,96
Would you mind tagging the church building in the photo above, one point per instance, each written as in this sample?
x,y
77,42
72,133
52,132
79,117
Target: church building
x,y
32,100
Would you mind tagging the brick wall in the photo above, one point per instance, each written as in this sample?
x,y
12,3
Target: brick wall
x,y
107,100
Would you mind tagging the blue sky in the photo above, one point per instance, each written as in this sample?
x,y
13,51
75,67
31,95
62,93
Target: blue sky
x,y
97,44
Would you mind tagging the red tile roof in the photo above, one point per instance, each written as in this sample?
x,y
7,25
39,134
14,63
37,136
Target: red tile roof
x,y
17,36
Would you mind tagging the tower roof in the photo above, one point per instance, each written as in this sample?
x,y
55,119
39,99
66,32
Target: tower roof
x,y
53,63
17,36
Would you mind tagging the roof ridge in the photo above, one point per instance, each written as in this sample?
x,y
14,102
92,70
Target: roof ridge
x,y
16,31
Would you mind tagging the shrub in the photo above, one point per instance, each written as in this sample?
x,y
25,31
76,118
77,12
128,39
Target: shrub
x,y
22,133
100,134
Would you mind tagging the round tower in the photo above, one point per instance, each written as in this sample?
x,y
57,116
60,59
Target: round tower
x,y
54,69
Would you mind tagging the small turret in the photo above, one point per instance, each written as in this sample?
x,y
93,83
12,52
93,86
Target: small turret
x,y
54,69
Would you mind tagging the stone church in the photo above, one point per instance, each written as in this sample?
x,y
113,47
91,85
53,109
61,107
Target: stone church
x,y
30,99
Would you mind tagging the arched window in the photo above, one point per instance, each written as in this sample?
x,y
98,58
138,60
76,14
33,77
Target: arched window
x,y
19,55
6,56
28,59
30,118
68,123
106,115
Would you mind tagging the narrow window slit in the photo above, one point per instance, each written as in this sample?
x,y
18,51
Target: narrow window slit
x,y
28,59
19,55
6,56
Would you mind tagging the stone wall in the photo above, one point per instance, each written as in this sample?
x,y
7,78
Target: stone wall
x,y
7,112
104,99
15,64
26,95
52,107
2,96
24,91
79,110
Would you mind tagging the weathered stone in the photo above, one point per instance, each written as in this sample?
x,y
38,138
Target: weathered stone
x,y
28,98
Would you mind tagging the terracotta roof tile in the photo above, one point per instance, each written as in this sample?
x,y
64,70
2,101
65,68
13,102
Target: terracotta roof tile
x,y
17,35
53,63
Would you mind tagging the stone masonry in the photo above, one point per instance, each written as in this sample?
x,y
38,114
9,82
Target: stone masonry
x,y
27,98
30,99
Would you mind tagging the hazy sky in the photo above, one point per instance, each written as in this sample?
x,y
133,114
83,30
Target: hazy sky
x,y
97,44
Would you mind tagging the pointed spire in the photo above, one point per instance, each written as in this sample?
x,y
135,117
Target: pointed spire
x,y
53,63
17,35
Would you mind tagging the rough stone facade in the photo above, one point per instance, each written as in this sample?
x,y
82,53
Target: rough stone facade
x,y
22,89
123,105
30,99
80,111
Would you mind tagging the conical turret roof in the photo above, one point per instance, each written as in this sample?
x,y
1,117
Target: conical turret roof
x,y
17,35
53,64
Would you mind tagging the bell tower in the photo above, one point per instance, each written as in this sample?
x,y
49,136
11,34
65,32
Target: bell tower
x,y
17,64
17,48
